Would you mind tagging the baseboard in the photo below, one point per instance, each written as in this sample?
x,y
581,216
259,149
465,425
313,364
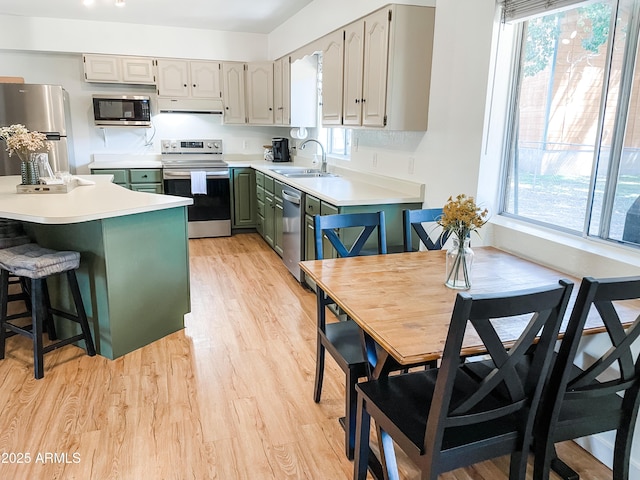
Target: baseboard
x,y
602,446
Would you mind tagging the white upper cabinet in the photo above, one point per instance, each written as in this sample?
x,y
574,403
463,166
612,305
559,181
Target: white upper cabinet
x,y
118,69
233,92
205,79
332,74
183,78
374,78
386,70
282,91
352,80
173,78
260,93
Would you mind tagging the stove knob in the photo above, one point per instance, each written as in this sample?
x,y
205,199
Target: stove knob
x,y
216,146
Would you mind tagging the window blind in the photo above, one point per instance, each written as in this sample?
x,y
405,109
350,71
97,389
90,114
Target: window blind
x,y
517,10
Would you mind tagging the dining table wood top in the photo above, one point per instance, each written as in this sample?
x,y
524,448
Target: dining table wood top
x,y
400,300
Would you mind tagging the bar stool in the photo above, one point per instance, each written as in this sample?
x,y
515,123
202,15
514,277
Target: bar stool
x,y
11,235
31,261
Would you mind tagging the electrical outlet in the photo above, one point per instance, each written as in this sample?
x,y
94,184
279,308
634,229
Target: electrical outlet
x,y
375,160
411,165
245,144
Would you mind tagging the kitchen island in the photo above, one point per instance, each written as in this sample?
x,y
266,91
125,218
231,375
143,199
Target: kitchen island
x,y
134,269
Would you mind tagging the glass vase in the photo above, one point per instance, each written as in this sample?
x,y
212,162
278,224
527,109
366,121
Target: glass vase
x,y
28,169
459,263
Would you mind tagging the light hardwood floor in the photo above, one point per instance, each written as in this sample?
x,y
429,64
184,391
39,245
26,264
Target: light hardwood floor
x,y
229,397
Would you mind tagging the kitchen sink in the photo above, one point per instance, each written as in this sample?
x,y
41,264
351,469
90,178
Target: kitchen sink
x,y
303,173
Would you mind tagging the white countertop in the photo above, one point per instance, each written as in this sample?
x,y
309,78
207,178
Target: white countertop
x,y
82,204
348,188
125,161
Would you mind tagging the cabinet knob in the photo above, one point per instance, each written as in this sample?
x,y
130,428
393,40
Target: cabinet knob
x,y
363,100
185,85
270,109
357,100
194,85
226,108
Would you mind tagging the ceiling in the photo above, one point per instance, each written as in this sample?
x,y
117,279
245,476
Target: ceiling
x,y
253,16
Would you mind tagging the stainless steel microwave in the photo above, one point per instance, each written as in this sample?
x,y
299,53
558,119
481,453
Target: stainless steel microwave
x,y
121,111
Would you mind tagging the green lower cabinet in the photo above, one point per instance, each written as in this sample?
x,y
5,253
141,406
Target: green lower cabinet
x,y
244,201
138,179
149,188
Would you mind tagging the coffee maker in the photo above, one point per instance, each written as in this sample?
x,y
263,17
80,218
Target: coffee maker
x,y
280,147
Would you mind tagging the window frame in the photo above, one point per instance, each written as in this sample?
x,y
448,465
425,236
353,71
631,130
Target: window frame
x,y
510,141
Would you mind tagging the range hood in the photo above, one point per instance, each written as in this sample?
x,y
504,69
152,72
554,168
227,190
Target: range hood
x,y
189,105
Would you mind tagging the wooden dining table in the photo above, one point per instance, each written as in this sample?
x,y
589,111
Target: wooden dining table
x,y
404,308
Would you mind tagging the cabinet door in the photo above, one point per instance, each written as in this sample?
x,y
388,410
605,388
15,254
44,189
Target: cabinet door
x,y
244,197
260,93
173,78
138,70
277,93
147,187
374,83
101,68
268,230
332,72
233,92
327,247
260,207
282,91
353,64
205,79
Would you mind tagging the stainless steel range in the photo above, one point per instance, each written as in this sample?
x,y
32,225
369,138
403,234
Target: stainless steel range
x,y
195,169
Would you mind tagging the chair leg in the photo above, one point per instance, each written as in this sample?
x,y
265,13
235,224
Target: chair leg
x,y
317,391
4,298
350,412
37,314
80,312
363,425
49,325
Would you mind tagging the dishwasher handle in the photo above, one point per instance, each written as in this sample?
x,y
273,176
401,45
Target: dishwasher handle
x,y
291,197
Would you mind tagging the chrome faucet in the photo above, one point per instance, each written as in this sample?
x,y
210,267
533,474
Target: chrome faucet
x,y
323,168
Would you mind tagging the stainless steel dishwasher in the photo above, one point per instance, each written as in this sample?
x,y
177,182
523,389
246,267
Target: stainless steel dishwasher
x,y
292,221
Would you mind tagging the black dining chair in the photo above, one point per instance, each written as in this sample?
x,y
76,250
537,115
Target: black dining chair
x,y
413,220
602,396
343,339
449,417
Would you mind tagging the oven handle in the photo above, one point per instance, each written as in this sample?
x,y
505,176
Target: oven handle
x,y
182,175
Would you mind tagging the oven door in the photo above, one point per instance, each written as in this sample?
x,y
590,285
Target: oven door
x,y
210,214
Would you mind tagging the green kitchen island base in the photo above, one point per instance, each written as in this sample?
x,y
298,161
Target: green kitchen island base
x,y
133,275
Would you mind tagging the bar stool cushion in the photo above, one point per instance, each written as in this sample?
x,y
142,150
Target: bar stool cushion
x,y
33,261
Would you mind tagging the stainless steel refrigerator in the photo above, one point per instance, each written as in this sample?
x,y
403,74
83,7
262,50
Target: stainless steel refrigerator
x,y
41,108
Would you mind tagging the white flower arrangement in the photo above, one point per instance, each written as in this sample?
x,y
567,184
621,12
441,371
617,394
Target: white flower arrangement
x,y
22,141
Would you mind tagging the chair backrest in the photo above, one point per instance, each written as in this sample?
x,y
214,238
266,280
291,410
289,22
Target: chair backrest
x,y
597,296
496,392
327,224
413,220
